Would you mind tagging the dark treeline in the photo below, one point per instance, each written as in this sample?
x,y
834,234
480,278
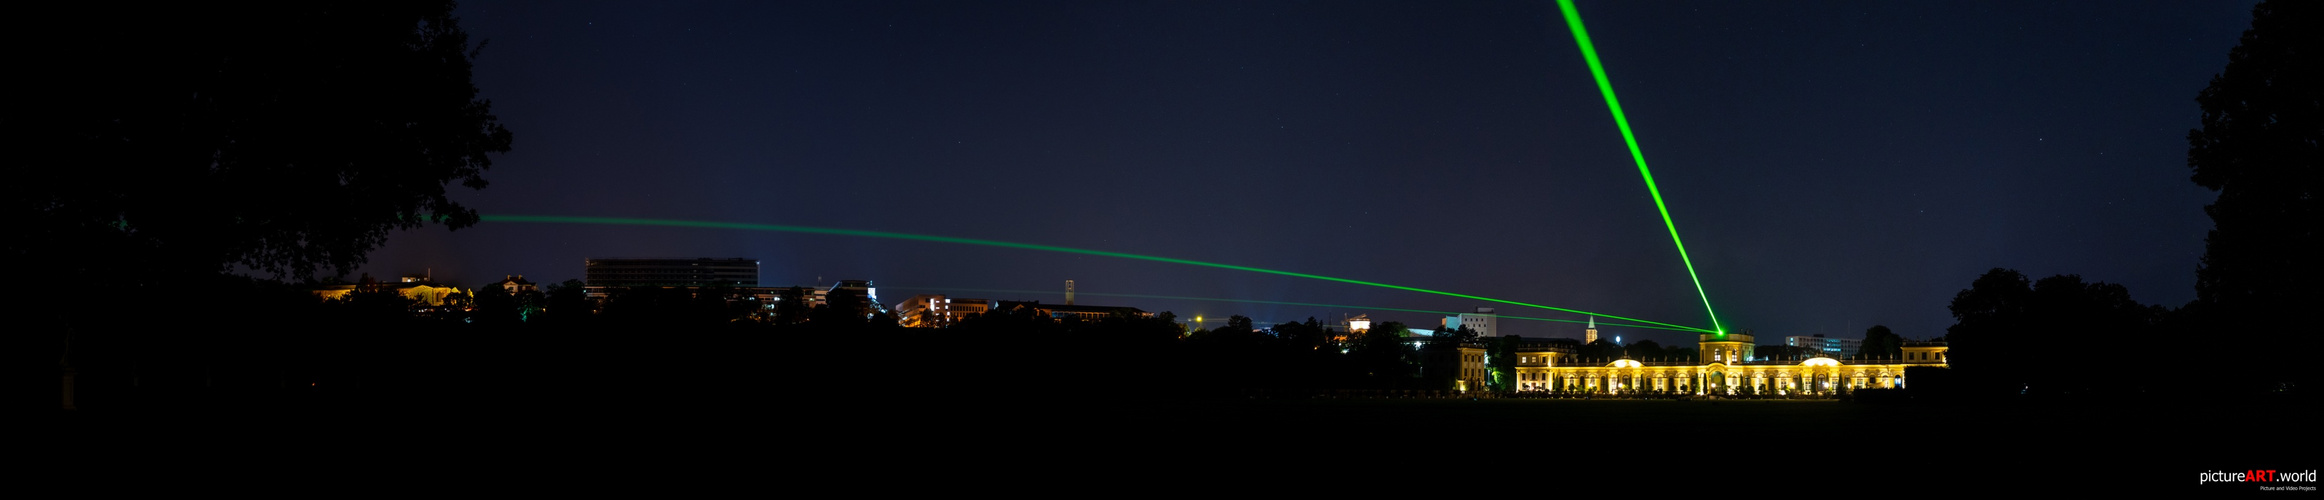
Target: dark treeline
x,y
274,343
2054,337
2249,330
278,344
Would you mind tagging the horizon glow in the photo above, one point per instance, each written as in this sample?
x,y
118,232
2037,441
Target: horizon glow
x,y
622,221
1573,22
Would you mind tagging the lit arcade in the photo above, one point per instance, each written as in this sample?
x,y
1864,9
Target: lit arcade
x,y
1726,366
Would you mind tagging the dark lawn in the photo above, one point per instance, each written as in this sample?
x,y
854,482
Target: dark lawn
x,y
2105,446
2146,446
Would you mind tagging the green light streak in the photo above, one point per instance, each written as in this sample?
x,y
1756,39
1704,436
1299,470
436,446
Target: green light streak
x,y
1573,21
1272,302
622,221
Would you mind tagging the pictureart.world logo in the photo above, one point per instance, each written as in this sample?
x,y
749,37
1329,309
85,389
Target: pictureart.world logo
x,y
2268,479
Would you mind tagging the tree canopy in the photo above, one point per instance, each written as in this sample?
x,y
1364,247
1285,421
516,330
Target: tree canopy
x,y
281,139
1880,343
2002,314
2262,148
1460,335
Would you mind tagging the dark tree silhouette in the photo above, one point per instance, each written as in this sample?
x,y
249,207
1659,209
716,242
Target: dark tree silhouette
x,y
1880,343
2262,148
2001,317
194,138
1779,352
1386,357
1309,335
496,307
1501,363
1239,324
792,305
1643,349
1602,350
1461,335
567,303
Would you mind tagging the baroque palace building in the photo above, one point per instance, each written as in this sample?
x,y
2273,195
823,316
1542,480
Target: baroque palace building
x,y
1725,366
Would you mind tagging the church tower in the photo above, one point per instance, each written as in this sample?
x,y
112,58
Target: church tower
x,y
1590,336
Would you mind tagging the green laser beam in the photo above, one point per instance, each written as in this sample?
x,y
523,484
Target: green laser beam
x,y
1273,302
1573,21
622,221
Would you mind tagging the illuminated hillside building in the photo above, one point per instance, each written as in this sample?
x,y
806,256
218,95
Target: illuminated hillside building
x,y
1349,329
415,288
1080,312
938,311
515,284
1725,366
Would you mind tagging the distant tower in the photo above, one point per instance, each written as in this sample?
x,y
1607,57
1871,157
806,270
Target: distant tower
x,y
1069,292
1591,335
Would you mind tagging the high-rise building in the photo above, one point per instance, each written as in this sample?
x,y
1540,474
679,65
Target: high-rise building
x,y
736,272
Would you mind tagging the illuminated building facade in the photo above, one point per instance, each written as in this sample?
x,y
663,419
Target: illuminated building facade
x,y
1829,347
938,311
1349,329
416,288
1725,366
1483,321
515,284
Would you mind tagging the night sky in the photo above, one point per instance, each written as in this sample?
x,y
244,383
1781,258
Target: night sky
x,y
1831,167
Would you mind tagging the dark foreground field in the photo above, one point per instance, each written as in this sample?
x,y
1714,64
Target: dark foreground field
x,y
2134,446
2152,446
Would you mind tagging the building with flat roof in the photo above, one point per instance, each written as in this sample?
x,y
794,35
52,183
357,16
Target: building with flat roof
x,y
735,272
1826,346
938,311
1484,321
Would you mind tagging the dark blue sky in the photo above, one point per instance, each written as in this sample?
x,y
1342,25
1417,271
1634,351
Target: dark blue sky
x,y
1832,166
